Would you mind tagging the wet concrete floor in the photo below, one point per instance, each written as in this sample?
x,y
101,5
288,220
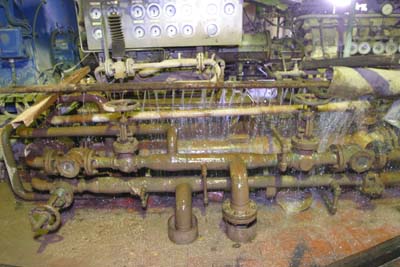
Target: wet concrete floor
x,y
115,232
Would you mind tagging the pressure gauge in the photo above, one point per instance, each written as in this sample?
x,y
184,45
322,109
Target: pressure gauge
x,y
212,30
229,9
137,11
387,9
155,31
188,30
97,34
172,31
170,10
153,10
95,13
139,32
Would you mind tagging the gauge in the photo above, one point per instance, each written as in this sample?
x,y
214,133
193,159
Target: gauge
x,y
137,11
97,34
139,32
364,48
378,48
188,30
353,48
112,10
153,10
229,9
212,9
212,30
155,31
387,9
391,47
95,13
170,10
172,31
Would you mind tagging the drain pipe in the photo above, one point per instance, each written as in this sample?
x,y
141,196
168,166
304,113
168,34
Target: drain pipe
x,y
11,166
240,212
182,226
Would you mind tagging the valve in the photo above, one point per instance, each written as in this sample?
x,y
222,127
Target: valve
x,y
46,218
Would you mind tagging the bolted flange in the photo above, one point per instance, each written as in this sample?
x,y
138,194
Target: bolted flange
x,y
242,233
182,236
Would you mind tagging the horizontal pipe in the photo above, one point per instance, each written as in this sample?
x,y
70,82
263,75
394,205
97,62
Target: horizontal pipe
x,y
127,87
102,130
114,185
200,113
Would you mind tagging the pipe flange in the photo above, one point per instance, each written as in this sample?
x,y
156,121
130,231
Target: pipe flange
x,y
341,162
301,143
88,164
49,162
129,146
65,194
372,185
234,216
241,233
361,161
182,236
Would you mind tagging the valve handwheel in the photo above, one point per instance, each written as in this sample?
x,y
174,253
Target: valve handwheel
x,y
121,105
45,217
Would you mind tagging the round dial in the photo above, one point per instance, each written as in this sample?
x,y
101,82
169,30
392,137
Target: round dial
x,y
153,10
172,31
212,30
170,10
229,9
188,30
137,11
139,32
97,34
95,13
155,31
387,9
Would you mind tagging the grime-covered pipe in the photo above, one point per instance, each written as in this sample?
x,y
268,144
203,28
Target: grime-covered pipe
x,y
353,83
239,186
183,207
240,212
206,113
182,226
12,169
115,185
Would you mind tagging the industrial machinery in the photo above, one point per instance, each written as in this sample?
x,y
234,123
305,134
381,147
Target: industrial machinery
x,y
193,96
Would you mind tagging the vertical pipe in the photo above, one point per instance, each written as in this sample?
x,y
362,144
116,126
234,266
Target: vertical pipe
x,y
183,208
240,185
11,166
172,141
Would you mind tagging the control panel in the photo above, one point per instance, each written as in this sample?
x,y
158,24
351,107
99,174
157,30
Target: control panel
x,y
169,23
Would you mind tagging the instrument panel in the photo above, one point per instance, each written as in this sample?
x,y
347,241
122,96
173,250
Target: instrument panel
x,y
147,24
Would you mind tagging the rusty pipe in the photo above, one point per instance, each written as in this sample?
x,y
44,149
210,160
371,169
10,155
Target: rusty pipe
x,y
103,130
172,141
130,87
183,207
11,165
201,113
115,185
239,185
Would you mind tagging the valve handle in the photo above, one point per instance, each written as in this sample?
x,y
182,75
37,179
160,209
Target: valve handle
x,y
45,217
